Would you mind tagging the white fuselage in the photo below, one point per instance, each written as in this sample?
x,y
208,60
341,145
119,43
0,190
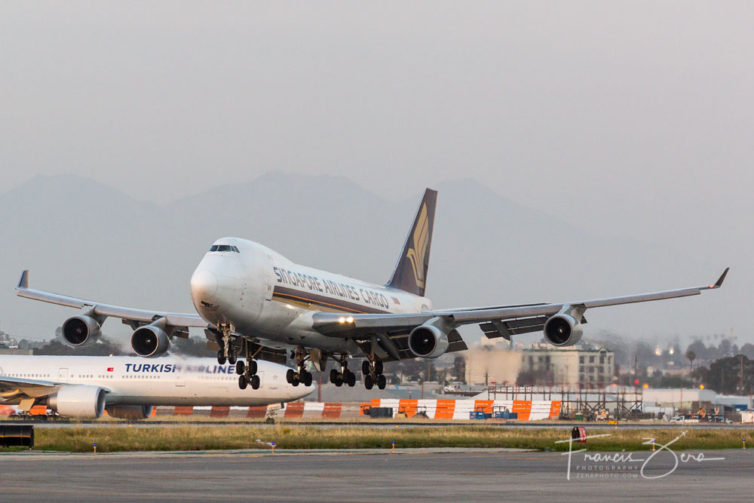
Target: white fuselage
x,y
167,380
265,295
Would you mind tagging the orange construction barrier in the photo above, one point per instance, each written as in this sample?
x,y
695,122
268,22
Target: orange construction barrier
x,y
294,410
555,409
257,412
445,409
183,410
219,411
408,407
522,408
483,405
332,410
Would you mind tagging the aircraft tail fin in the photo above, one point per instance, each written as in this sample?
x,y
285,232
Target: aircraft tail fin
x,y
410,272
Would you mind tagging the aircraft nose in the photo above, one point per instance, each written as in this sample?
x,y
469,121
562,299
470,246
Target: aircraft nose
x,y
203,285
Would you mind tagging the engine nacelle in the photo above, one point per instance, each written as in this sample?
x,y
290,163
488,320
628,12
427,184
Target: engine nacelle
x,y
428,340
80,330
130,411
150,340
563,330
78,400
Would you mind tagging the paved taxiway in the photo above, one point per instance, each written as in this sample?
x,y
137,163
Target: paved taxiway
x,y
429,475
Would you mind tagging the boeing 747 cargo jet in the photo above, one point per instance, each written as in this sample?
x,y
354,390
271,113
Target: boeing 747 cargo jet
x,y
254,302
129,387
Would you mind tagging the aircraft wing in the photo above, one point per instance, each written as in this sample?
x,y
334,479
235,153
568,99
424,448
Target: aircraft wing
x,y
13,388
127,314
498,321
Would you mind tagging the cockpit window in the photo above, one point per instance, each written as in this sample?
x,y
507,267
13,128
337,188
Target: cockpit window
x,y
224,248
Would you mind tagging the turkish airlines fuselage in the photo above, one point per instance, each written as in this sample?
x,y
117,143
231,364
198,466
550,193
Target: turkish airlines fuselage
x,y
167,380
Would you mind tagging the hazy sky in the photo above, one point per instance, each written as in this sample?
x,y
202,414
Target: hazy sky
x,y
632,118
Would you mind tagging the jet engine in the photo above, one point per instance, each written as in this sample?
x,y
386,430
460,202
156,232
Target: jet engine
x,y
150,340
130,411
429,340
78,400
563,330
80,330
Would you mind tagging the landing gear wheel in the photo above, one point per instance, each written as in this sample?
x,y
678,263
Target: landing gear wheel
x,y
381,381
333,376
339,380
365,367
378,367
255,382
290,376
221,357
368,381
350,378
232,358
295,380
240,367
242,382
252,367
306,378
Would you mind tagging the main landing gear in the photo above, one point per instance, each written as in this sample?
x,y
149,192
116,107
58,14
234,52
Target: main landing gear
x,y
247,372
345,376
372,369
300,375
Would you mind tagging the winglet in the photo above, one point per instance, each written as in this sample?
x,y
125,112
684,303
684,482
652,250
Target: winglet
x,y
24,281
720,280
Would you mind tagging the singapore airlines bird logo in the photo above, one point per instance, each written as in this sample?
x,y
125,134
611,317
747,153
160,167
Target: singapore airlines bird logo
x,y
418,253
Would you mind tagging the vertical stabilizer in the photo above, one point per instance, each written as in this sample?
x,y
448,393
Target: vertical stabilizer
x,y
411,270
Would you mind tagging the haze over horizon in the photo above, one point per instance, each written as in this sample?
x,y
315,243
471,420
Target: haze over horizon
x,y
620,133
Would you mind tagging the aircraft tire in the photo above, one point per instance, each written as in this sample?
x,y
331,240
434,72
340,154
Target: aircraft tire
x,y
381,381
333,376
295,381
365,367
378,368
368,381
350,379
306,378
220,357
242,382
240,367
255,382
232,359
290,376
253,367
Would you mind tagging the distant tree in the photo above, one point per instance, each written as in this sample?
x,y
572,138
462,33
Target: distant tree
x,y
102,347
724,375
748,351
193,346
691,356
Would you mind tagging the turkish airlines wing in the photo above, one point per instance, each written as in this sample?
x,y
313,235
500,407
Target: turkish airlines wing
x,y
137,316
391,330
13,388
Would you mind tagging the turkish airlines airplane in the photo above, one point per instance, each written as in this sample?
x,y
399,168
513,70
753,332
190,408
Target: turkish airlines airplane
x,y
254,302
129,387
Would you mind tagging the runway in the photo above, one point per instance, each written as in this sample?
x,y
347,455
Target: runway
x,y
423,474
